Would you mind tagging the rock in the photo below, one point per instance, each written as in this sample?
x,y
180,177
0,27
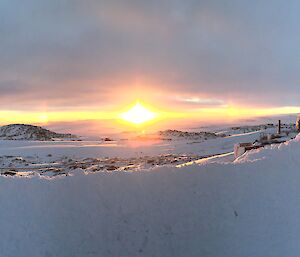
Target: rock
x,y
111,167
9,173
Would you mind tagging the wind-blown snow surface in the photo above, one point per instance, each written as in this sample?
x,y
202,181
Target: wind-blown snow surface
x,y
247,208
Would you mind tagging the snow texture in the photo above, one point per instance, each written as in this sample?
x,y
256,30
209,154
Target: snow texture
x,y
250,207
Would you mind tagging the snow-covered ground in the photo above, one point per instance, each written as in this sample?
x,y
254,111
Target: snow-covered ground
x,y
52,158
129,198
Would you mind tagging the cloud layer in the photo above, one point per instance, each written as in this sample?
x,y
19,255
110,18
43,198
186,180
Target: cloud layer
x,y
66,54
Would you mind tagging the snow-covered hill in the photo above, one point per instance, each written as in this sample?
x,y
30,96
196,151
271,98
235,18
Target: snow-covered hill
x,y
30,132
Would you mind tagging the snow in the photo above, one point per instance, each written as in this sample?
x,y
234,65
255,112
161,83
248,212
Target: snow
x,y
52,158
218,208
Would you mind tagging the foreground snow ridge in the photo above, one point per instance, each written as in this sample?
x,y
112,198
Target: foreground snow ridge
x,y
247,208
276,153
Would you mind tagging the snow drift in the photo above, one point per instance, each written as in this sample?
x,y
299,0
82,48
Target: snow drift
x,y
247,208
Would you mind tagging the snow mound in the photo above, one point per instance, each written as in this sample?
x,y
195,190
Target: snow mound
x,y
30,132
274,152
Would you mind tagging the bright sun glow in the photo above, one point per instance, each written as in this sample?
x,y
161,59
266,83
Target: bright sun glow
x,y
138,114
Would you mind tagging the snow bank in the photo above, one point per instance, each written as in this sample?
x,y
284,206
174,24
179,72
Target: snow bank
x,y
247,208
276,153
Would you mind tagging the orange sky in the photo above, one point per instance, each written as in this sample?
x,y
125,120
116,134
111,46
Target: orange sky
x,y
164,118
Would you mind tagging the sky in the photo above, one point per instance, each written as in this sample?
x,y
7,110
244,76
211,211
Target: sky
x,y
72,62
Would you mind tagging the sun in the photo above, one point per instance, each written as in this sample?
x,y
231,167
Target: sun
x,y
138,114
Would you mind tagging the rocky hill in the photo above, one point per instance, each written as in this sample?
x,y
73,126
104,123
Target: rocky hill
x,y
30,132
177,134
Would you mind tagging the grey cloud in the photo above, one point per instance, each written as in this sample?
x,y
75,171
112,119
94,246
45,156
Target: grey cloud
x,y
242,51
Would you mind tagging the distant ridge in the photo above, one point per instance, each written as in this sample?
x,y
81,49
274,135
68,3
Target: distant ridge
x,y
31,132
177,134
